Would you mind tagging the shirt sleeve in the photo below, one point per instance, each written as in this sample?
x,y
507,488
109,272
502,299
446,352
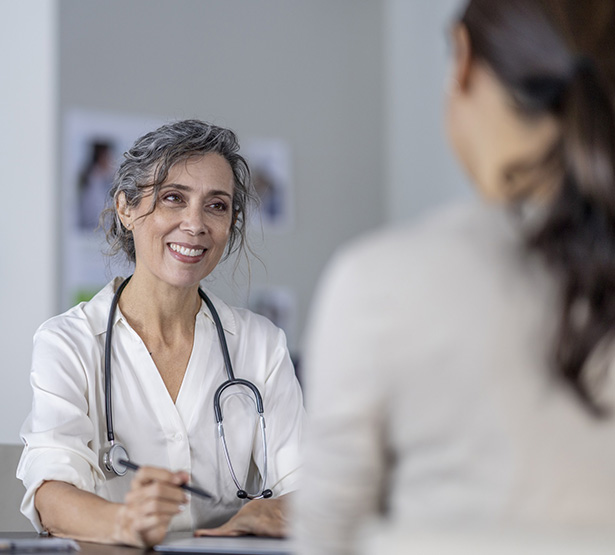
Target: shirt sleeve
x,y
284,415
58,431
343,463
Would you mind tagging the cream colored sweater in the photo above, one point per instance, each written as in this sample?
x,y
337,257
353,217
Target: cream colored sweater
x,y
430,396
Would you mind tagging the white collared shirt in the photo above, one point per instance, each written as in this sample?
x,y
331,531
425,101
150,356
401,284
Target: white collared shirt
x,y
65,434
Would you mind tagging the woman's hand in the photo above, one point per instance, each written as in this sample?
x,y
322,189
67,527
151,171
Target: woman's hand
x,y
142,520
260,517
149,506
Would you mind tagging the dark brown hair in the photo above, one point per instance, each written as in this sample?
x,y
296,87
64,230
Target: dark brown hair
x,y
558,57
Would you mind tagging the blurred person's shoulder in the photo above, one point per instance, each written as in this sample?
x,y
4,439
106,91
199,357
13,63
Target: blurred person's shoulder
x,y
454,235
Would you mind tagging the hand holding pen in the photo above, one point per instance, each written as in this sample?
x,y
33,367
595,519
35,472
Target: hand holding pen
x,y
187,487
154,499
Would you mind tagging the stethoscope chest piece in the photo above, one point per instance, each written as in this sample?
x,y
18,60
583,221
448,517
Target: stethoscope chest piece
x,y
112,458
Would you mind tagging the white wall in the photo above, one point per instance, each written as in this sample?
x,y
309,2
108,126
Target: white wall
x,y
28,114
421,170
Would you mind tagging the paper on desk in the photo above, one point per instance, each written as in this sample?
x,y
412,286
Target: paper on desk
x,y
28,545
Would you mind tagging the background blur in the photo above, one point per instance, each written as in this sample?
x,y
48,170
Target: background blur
x,y
354,87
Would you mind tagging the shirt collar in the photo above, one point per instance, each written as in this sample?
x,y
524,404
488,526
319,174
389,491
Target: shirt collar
x,y
224,312
97,310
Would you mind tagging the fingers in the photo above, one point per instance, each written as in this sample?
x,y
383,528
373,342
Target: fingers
x,y
140,529
264,517
151,503
238,525
147,502
140,493
147,474
158,483
224,530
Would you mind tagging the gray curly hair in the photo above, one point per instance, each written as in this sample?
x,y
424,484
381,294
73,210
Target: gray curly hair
x,y
146,167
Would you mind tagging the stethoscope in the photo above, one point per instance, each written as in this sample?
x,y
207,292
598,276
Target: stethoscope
x,y
113,456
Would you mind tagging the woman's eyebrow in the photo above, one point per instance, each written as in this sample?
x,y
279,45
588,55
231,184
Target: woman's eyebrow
x,y
180,187
220,192
175,186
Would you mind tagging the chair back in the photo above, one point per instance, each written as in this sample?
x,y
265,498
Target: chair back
x,y
11,492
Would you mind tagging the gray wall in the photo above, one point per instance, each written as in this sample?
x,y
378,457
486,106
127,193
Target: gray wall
x,y
420,170
309,72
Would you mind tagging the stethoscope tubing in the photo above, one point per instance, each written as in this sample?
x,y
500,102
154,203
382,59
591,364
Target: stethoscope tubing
x,y
232,380
117,451
108,403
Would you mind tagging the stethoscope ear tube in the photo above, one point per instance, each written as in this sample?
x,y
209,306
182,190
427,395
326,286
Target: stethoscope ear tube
x,y
242,493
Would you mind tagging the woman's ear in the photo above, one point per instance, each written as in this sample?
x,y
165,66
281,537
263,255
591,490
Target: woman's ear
x,y
123,210
462,61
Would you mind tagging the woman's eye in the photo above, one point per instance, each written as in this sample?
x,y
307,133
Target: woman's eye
x,y
218,206
172,198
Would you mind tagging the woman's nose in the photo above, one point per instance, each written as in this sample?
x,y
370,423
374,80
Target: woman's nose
x,y
193,220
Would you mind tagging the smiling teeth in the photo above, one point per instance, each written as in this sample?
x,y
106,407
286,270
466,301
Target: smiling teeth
x,y
185,251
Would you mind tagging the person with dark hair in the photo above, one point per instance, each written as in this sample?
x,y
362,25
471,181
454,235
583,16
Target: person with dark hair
x,y
457,371
94,183
157,376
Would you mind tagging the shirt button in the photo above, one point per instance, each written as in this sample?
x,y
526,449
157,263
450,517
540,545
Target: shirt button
x,y
178,437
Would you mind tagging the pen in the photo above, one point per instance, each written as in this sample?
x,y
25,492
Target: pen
x,y
187,487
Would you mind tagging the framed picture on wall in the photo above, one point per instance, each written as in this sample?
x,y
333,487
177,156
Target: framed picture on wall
x,y
270,166
92,148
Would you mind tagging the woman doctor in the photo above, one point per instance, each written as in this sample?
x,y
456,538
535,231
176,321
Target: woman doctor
x,y
180,199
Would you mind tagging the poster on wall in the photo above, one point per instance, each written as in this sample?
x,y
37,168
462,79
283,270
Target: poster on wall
x,y
92,148
279,304
270,166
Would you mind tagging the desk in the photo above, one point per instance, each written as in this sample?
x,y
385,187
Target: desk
x,y
87,548
216,546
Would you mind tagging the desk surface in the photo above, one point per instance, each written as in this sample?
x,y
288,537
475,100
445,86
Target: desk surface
x,y
88,548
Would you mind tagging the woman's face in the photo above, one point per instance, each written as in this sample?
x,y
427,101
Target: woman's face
x,y
183,239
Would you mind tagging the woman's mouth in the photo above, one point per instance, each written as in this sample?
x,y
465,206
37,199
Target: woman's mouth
x,y
186,251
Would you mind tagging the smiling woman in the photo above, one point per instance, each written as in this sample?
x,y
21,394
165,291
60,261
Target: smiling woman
x,y
179,204
184,237
147,167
